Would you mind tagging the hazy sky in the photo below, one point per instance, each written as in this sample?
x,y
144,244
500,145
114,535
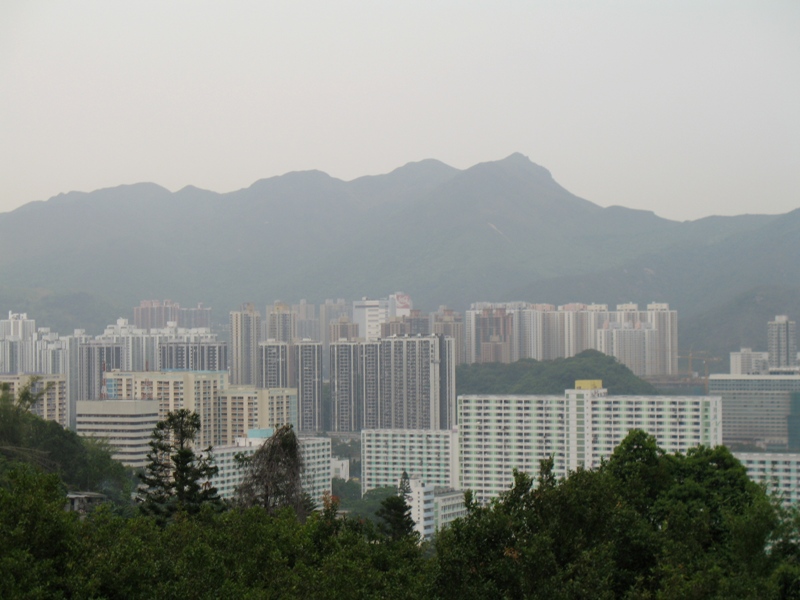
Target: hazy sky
x,y
686,108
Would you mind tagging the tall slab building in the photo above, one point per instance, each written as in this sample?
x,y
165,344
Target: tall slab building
x,y
782,343
308,368
399,382
243,351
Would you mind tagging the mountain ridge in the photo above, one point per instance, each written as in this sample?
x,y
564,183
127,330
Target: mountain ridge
x,y
498,230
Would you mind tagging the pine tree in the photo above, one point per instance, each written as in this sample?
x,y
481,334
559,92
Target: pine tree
x,y
395,516
176,478
404,489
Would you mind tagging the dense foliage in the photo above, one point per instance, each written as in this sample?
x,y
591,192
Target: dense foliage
x,y
530,376
81,463
176,479
645,524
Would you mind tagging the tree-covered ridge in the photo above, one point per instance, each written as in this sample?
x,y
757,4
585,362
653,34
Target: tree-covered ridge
x,y
83,464
530,376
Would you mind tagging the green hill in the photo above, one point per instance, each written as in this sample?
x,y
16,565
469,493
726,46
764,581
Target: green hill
x,y
549,377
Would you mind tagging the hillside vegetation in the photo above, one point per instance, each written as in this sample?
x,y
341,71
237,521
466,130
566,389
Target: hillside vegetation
x,y
530,376
82,464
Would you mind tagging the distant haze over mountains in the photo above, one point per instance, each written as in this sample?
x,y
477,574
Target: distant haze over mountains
x,y
503,230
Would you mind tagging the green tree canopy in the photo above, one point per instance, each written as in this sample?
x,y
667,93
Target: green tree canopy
x,y
82,463
646,524
177,479
530,376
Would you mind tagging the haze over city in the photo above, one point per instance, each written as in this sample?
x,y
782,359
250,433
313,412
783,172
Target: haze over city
x,y
686,109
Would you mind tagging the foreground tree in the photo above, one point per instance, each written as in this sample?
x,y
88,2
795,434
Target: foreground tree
x,y
645,524
273,475
395,515
177,479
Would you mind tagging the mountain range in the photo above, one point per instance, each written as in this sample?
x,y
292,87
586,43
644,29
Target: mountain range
x,y
503,230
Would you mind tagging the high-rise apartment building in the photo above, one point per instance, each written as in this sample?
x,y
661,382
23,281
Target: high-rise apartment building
x,y
449,323
315,476
306,322
345,386
395,382
192,356
154,314
18,325
281,323
498,434
275,365
330,311
368,315
415,382
644,340
632,345
307,358
489,334
778,472
53,405
244,408
198,317
430,454
342,329
196,391
243,349
369,388
96,358
415,323
748,362
782,343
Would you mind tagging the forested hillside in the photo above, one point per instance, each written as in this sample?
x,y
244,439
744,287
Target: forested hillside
x,y
83,464
530,376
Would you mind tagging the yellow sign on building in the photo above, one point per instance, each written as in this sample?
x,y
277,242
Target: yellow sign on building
x,y
589,384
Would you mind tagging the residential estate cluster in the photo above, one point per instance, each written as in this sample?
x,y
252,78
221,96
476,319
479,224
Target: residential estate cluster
x,y
391,376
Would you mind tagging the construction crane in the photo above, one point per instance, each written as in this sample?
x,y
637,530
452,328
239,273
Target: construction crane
x,y
703,356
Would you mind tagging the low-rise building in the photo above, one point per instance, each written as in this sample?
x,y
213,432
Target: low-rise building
x,y
340,468
420,499
448,505
779,472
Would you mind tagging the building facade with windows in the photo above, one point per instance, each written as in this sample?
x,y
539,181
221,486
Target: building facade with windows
x,y
316,474
500,433
432,455
197,391
127,426
756,409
